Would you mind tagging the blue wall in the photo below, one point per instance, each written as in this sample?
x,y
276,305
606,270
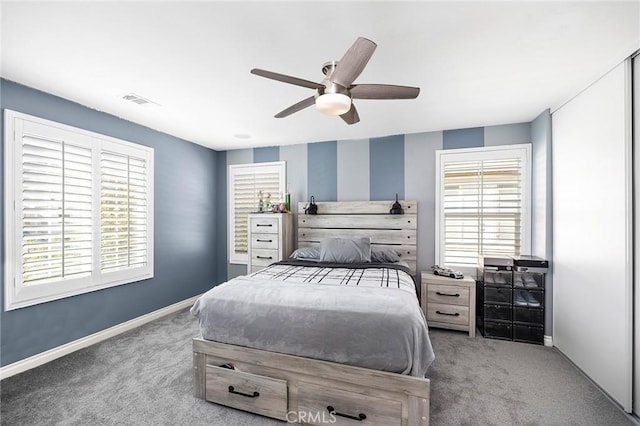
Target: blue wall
x,y
322,164
188,210
386,160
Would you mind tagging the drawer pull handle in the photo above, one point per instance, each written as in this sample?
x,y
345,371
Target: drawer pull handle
x,y
360,417
255,394
264,241
261,224
457,314
264,257
447,294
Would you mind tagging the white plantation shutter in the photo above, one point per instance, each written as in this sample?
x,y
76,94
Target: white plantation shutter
x,y
245,182
123,211
56,210
78,209
483,205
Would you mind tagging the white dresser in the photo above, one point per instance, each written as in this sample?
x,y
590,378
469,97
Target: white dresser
x,y
270,239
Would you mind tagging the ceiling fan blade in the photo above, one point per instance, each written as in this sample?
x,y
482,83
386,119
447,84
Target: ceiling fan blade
x,y
296,107
287,79
353,62
351,116
383,91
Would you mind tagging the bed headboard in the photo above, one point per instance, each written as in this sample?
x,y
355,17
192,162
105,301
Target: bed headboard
x,y
362,219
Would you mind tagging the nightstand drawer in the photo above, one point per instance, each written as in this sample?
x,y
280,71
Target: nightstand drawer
x,y
264,241
267,225
450,314
448,294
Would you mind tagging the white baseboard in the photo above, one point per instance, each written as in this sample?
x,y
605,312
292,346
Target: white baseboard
x,y
548,341
60,351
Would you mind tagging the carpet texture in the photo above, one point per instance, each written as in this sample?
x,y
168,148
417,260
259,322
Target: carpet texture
x,y
143,377
493,382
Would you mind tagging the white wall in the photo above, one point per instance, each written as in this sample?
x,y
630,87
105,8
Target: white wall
x,y
592,232
636,148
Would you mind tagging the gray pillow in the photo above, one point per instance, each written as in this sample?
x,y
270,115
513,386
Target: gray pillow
x,y
306,253
345,250
384,255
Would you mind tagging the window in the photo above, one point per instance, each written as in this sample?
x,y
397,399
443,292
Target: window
x,y
245,182
78,209
483,199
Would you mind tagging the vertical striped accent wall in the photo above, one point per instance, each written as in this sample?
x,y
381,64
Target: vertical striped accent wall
x,y
377,169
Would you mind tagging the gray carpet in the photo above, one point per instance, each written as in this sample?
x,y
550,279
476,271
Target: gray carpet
x,y
143,377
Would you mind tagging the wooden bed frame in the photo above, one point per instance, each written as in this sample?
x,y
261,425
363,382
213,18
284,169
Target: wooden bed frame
x,y
310,391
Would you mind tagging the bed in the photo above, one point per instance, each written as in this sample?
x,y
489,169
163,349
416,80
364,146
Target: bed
x,y
319,343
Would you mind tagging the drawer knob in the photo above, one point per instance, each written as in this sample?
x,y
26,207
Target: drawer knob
x,y
447,294
360,417
457,314
267,224
255,394
264,241
264,257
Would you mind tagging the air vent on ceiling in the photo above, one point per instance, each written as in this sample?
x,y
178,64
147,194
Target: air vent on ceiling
x,y
137,99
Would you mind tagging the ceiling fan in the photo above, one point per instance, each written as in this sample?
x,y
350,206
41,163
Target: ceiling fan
x,y
335,93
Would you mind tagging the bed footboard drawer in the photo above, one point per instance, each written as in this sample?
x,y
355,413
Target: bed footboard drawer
x,y
321,405
258,394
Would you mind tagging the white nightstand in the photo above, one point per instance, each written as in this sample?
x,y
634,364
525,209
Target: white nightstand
x,y
449,302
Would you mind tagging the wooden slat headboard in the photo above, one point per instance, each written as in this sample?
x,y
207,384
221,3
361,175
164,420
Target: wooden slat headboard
x,y
362,219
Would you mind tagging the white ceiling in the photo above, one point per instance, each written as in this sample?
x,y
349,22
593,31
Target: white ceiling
x,y
477,63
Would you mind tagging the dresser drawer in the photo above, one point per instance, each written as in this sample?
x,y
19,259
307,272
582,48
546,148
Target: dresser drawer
x,y
259,394
264,241
448,294
266,225
450,314
263,257
347,408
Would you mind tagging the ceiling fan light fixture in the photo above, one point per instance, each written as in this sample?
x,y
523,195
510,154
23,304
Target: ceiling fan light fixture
x,y
334,93
333,103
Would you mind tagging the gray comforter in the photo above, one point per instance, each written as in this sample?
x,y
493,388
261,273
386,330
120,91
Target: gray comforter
x,y
370,318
